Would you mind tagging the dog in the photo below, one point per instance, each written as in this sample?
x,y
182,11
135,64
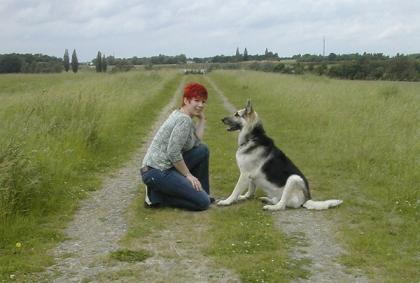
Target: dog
x,y
263,165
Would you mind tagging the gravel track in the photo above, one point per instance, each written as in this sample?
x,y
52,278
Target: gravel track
x,y
101,222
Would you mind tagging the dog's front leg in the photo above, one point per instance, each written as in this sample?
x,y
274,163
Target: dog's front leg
x,y
251,191
240,187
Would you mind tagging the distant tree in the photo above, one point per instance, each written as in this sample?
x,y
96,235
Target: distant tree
x,y
402,68
245,55
279,68
30,63
332,57
266,52
237,55
321,69
110,60
104,64
11,63
122,66
74,62
298,69
98,63
66,60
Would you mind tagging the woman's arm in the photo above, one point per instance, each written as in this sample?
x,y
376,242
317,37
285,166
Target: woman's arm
x,y
176,141
200,126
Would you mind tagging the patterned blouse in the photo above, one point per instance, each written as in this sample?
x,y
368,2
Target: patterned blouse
x,y
175,136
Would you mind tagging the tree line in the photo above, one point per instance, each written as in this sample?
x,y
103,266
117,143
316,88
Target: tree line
x,y
347,66
376,66
29,63
364,66
37,63
370,67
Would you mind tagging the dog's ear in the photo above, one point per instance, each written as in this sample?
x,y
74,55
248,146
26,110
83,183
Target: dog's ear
x,y
248,107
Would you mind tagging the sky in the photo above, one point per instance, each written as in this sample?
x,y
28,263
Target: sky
x,y
204,28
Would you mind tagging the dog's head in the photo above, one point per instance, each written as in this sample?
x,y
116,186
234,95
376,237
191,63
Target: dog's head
x,y
241,118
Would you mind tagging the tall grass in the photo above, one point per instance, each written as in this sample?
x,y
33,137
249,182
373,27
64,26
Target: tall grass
x,y
355,140
57,133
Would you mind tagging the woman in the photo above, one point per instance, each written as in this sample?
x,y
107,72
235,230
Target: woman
x,y
175,168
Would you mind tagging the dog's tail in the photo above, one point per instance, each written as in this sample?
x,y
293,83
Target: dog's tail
x,y
323,204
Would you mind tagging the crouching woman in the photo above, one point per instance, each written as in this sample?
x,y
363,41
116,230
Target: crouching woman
x,y
175,168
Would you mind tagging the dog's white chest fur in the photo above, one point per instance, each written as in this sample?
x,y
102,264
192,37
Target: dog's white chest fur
x,y
249,162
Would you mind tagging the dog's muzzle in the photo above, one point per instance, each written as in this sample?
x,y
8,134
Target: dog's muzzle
x,y
233,126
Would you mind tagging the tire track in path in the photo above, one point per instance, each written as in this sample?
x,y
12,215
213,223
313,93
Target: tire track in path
x,y
315,235
101,222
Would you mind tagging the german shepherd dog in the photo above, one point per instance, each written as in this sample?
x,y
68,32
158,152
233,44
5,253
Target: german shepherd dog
x,y
264,165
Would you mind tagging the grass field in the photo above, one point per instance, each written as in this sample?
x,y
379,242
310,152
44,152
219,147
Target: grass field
x,y
58,134
355,140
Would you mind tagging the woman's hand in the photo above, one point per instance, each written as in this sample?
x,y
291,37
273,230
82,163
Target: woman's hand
x,y
195,182
201,116
183,170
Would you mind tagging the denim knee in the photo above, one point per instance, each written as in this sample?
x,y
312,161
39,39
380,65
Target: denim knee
x,y
203,203
196,155
200,151
204,149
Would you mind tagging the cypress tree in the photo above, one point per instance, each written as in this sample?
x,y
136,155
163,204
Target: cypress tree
x,y
245,55
66,60
238,55
74,62
104,64
98,62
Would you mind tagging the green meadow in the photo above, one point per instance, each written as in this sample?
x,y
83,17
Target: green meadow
x,y
355,140
58,135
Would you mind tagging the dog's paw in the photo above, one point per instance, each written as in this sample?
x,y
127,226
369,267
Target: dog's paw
x,y
265,200
245,197
270,207
223,202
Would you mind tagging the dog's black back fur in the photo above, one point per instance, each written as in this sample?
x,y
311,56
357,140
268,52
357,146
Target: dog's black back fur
x,y
278,168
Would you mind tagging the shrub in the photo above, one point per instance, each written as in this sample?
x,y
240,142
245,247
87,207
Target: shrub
x,y
19,180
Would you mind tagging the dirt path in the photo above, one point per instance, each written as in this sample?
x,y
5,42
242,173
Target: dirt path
x,y
314,233
100,223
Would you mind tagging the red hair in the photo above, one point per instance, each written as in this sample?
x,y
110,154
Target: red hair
x,y
194,90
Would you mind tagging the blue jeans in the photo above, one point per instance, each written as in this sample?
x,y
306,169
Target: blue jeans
x,y
170,188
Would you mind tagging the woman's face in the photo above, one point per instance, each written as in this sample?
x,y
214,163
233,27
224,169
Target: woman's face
x,y
194,107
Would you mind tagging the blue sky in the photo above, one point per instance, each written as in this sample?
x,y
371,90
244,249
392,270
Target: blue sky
x,y
207,28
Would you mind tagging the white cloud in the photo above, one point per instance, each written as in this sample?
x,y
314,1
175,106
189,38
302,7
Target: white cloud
x,y
205,28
